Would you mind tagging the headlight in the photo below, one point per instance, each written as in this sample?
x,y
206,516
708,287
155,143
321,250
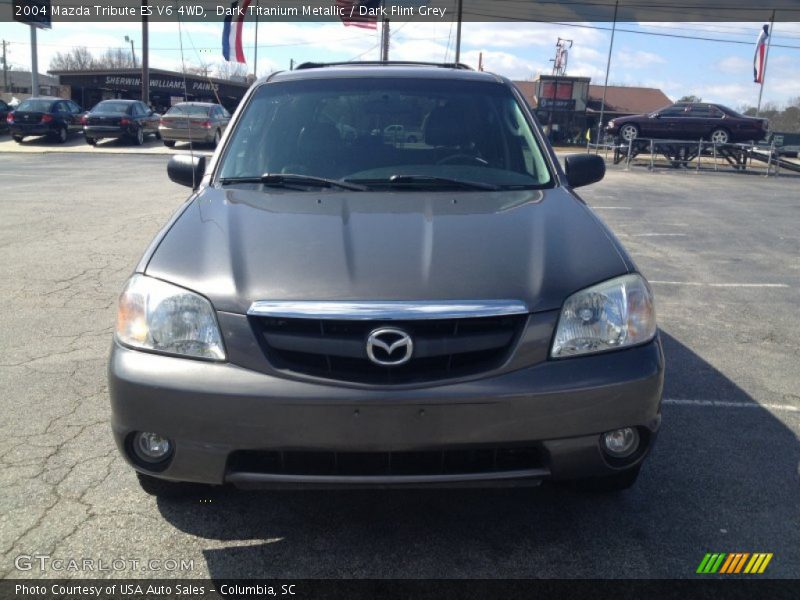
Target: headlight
x,y
607,316
155,315
610,125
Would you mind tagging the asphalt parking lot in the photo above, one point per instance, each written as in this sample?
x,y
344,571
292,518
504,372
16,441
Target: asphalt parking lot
x,y
721,250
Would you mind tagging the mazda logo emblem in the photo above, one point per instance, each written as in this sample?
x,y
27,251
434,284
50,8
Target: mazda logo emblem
x,y
389,347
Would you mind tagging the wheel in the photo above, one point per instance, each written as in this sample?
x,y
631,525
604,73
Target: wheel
x,y
169,143
217,136
139,139
462,159
61,135
91,141
158,134
628,132
412,139
17,138
608,483
163,488
720,136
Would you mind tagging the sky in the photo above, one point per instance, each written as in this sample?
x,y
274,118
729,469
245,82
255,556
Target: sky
x,y
717,71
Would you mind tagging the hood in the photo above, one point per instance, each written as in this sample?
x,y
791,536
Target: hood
x,y
236,246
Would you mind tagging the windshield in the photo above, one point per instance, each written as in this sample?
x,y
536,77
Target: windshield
x,y
35,106
112,107
189,109
368,130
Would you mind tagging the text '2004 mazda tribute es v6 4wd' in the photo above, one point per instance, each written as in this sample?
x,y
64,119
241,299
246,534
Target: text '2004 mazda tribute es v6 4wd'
x,y
335,307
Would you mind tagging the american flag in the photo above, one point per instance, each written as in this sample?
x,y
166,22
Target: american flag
x,y
350,7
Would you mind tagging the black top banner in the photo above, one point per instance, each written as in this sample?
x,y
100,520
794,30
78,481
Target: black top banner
x,y
42,12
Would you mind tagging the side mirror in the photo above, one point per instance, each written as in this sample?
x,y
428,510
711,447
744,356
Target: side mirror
x,y
583,169
186,170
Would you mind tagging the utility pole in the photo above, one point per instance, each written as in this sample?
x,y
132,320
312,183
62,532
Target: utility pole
x,y
255,48
5,67
385,41
34,63
145,58
605,85
459,15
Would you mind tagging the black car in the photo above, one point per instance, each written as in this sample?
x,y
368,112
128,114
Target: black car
x,y
691,121
53,117
129,119
4,110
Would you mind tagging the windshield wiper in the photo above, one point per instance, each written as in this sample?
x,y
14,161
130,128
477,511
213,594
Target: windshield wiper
x,y
430,181
292,179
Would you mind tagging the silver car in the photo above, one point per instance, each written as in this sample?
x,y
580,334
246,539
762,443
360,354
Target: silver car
x,y
200,122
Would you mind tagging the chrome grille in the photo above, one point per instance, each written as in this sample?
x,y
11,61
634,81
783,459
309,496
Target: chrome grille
x,y
336,348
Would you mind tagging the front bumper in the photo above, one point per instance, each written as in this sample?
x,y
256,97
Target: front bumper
x,y
211,410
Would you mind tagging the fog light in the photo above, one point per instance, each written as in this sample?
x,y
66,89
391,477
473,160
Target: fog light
x,y
621,442
151,447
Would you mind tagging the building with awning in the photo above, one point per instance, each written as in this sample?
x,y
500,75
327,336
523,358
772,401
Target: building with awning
x,y
89,87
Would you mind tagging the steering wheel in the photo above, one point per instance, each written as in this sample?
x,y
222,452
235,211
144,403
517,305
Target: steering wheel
x,y
461,158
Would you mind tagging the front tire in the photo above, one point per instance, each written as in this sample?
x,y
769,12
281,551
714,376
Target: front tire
x,y
91,141
61,135
628,132
139,138
720,136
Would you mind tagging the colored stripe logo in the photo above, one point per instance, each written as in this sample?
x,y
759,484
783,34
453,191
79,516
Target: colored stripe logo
x,y
734,563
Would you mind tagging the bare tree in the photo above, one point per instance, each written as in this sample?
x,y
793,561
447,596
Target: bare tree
x,y
201,71
690,98
76,59
115,58
231,70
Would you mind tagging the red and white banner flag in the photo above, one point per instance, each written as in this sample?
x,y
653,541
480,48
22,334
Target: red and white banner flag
x,y
761,56
359,13
232,31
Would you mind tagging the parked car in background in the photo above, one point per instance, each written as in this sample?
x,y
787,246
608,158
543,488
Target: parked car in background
x,y
691,121
200,122
4,110
326,311
121,119
53,117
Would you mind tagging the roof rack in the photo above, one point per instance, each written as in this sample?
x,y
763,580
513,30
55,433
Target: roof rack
x,y
383,63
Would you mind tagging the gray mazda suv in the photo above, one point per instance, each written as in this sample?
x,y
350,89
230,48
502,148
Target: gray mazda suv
x,y
336,307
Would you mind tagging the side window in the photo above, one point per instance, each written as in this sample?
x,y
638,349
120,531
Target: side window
x,y
73,107
715,113
60,107
674,111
